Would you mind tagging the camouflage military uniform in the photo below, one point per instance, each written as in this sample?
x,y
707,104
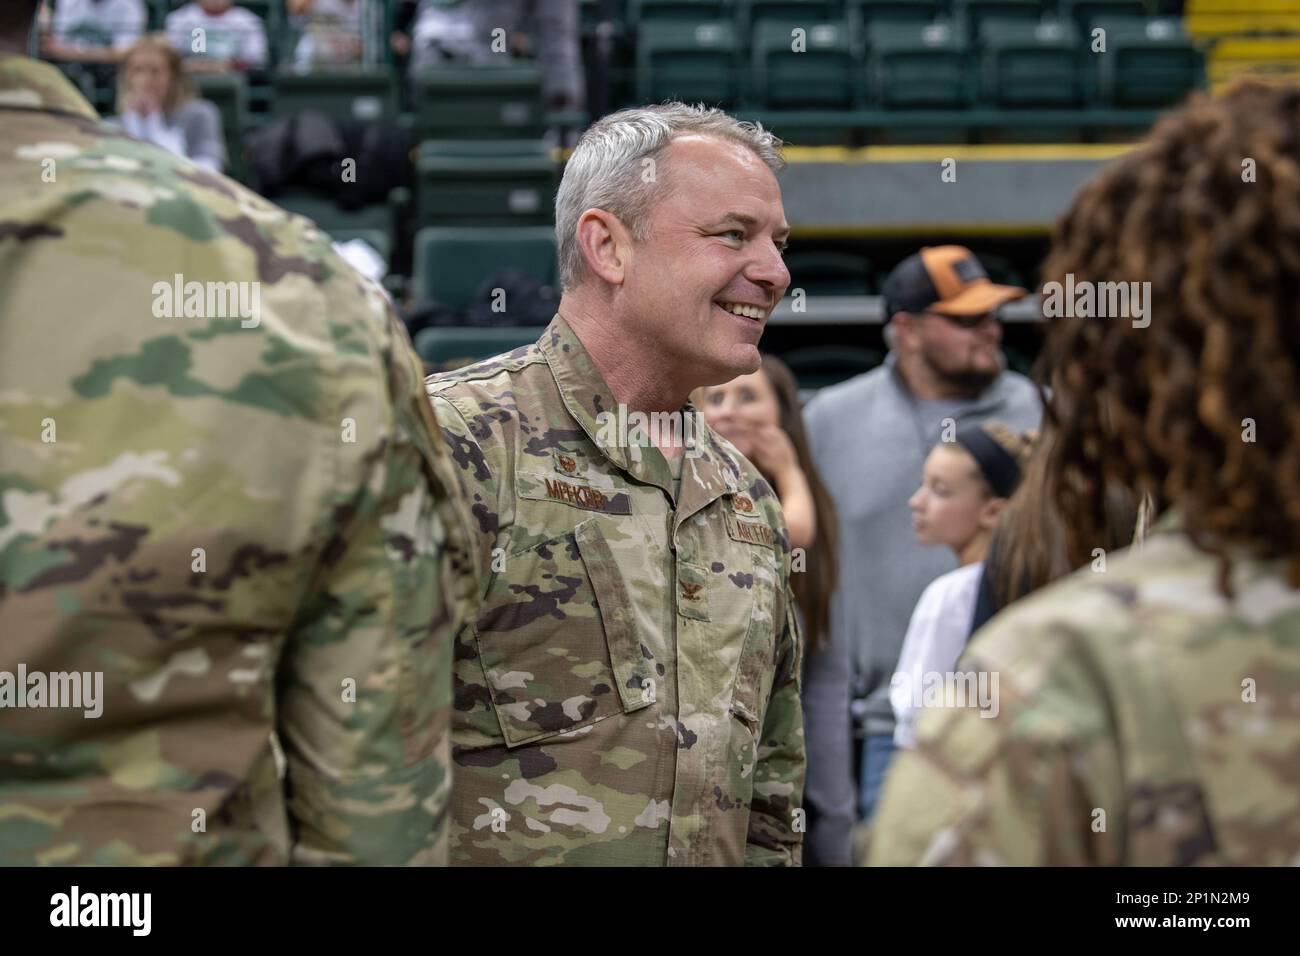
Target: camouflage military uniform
x,y
239,528
1143,720
629,692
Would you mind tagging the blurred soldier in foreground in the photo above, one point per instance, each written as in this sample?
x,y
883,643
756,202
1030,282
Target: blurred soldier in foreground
x,y
1149,708
224,519
629,694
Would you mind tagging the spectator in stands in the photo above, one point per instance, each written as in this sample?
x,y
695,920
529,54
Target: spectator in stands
x,y
965,485
156,102
462,30
870,436
329,31
215,36
760,414
93,31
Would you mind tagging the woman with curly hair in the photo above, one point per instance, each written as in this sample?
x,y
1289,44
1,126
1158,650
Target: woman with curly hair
x,y
1146,707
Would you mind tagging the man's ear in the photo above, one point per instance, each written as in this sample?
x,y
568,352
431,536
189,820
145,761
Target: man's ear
x,y
605,244
907,331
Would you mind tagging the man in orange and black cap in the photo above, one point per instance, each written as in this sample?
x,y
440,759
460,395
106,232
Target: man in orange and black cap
x,y
943,325
869,437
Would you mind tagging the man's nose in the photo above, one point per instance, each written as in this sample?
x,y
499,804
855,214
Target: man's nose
x,y
770,272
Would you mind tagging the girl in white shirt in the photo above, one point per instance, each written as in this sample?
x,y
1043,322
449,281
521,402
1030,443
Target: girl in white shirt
x,y
965,485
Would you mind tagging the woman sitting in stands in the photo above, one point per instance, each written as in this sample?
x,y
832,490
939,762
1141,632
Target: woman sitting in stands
x,y
156,102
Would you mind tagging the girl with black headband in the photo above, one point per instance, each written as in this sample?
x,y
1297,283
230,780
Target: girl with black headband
x,y
965,484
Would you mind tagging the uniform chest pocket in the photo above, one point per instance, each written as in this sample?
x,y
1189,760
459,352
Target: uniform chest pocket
x,y
556,639
755,670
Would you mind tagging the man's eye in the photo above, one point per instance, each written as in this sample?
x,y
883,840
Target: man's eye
x,y
738,233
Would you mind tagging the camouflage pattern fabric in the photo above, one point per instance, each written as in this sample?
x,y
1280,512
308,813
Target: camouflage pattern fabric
x,y
629,693
240,527
1143,720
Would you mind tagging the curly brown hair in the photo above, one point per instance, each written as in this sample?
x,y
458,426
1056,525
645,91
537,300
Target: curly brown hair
x,y
1208,211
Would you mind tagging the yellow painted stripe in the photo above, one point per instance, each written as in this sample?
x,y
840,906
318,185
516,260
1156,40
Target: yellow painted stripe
x,y
867,230
1256,48
1211,25
1035,152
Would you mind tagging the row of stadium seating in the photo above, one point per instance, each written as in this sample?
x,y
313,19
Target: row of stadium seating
x,y
1006,63
747,14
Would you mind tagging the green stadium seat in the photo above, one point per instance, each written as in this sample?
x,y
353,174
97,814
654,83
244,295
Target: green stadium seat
x,y
360,94
1083,12
451,263
820,76
492,186
1150,63
975,13
863,14
819,366
693,62
829,273
229,93
692,11
919,66
1028,64
447,349
754,12
328,217
485,102
485,147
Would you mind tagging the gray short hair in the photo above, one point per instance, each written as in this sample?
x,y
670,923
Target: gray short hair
x,y
606,168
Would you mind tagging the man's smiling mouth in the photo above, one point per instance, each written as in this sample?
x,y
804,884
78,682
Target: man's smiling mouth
x,y
757,312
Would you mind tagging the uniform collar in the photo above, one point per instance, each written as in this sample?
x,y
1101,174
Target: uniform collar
x,y
27,84
707,473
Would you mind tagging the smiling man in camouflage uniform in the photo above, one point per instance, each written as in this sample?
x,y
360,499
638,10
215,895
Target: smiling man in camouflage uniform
x,y
225,515
629,694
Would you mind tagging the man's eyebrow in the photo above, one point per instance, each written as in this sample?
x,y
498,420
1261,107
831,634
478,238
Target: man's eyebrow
x,y
746,220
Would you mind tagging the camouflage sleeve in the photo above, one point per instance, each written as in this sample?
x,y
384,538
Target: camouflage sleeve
x,y
476,457
366,679
1028,781
776,815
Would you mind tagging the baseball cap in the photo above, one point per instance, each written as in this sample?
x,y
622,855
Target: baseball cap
x,y
947,280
